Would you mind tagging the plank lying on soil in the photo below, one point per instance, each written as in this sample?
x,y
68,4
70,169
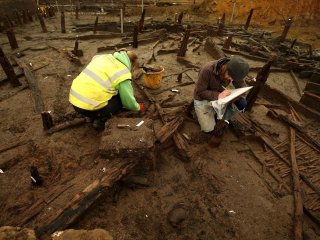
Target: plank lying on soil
x,y
298,204
168,129
311,100
33,85
66,125
313,88
66,216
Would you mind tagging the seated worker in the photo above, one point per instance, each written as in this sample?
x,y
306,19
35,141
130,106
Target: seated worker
x,y
213,79
104,87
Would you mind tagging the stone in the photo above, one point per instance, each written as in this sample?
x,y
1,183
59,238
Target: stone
x,y
177,216
17,233
71,234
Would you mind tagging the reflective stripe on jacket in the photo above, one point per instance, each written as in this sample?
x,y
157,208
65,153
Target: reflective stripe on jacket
x,y
98,82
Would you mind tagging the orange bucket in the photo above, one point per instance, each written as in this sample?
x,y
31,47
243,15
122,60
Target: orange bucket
x,y
153,79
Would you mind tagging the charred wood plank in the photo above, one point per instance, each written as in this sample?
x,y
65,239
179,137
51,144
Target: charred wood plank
x,y
63,22
211,48
12,38
298,204
296,81
246,26
66,216
33,85
312,88
311,100
8,69
66,125
261,79
168,129
184,43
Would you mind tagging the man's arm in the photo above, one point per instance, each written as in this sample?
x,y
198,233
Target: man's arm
x,y
202,86
127,97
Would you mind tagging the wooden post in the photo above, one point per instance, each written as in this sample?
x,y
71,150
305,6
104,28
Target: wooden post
x,y
141,22
8,69
10,23
248,20
227,42
42,23
63,22
76,51
180,18
262,77
287,26
12,38
77,11
18,18
24,16
135,36
95,26
29,16
184,43
47,121
221,24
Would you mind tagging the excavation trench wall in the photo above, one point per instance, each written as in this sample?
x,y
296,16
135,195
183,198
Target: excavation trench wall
x,y
305,12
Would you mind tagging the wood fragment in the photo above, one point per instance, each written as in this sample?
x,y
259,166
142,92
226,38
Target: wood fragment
x,y
33,85
168,129
63,22
8,69
66,125
95,25
12,38
184,43
42,23
296,81
141,21
261,79
246,26
67,215
298,210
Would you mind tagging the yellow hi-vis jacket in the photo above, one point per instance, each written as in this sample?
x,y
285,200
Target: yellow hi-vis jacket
x,y
98,82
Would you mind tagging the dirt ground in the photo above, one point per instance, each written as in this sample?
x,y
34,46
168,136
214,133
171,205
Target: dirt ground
x,y
222,193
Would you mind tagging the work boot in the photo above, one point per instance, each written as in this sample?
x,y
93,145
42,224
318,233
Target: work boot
x,y
98,124
217,134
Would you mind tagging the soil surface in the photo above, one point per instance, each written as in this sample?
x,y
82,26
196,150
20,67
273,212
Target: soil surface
x,y
221,193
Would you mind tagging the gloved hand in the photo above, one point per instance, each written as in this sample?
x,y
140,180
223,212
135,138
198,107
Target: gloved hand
x,y
141,107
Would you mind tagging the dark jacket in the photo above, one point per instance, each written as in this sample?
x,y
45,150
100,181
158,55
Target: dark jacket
x,y
209,84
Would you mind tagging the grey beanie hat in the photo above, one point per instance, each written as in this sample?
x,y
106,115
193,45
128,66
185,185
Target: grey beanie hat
x,y
237,68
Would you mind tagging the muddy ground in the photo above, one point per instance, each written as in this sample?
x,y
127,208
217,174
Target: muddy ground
x,y
222,193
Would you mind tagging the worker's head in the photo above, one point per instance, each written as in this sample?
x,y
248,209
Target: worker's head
x,y
237,69
133,59
234,70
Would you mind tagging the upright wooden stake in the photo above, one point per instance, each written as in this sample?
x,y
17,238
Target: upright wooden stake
x,y
227,42
42,23
262,77
29,16
77,11
18,18
24,16
95,26
47,121
287,26
135,36
180,18
63,22
12,38
221,24
184,43
248,20
10,23
141,22
8,69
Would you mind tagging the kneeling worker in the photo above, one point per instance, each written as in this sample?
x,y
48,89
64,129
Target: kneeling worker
x,y
104,87
213,79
